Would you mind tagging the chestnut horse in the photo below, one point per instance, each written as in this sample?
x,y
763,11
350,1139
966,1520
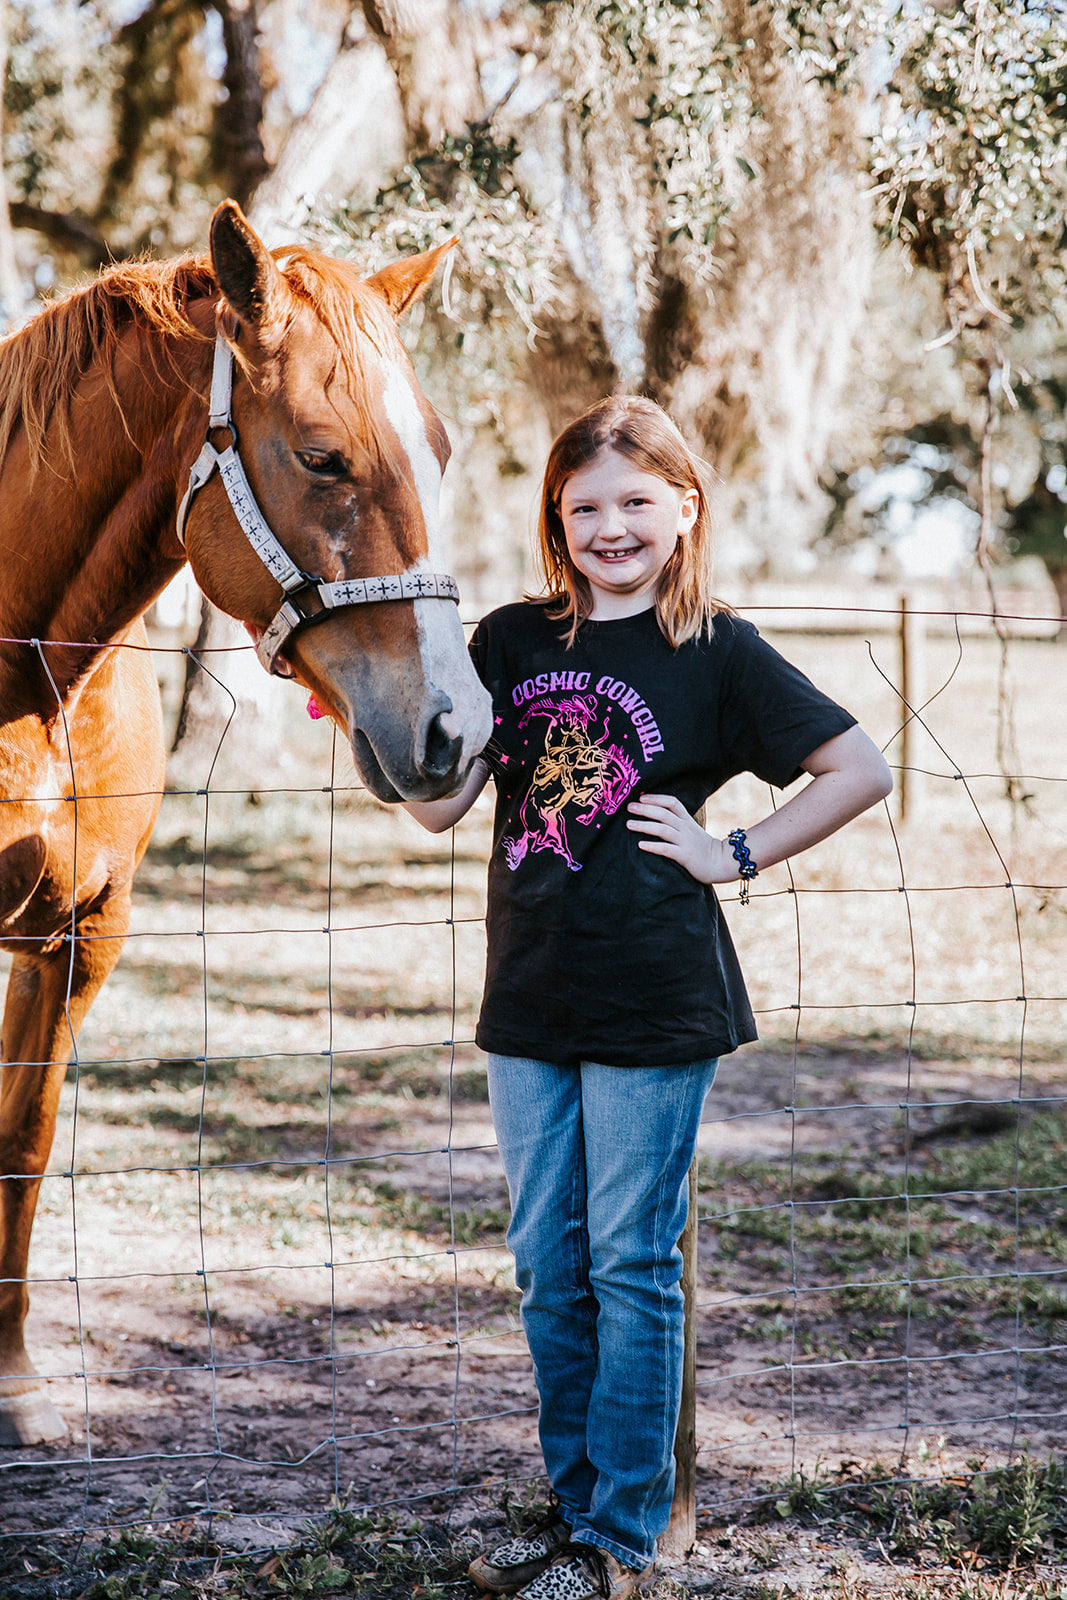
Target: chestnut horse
x,y
256,414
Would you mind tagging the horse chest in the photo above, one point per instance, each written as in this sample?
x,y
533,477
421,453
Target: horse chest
x,y
62,846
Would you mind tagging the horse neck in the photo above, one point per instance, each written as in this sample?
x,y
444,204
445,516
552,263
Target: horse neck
x,y
87,539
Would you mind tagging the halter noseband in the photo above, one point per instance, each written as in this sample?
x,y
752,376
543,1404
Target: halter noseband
x,y
306,598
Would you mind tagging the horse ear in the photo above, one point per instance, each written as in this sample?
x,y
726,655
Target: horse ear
x,y
402,282
244,268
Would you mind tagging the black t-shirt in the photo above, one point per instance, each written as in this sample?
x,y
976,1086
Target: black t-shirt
x,y
597,950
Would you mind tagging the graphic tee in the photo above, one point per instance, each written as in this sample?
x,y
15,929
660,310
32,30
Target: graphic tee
x,y
598,950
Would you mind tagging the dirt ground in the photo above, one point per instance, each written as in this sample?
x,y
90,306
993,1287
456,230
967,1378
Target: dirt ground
x,y
279,1281
412,1382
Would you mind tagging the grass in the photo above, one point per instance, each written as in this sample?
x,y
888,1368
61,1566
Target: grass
x,y
342,1553
979,1226
986,1527
1005,1519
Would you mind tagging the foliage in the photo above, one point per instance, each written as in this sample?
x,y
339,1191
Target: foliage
x,y
900,1245
968,1523
342,1552
502,278
1035,522
679,74
968,156
125,125
643,156
59,82
1009,1517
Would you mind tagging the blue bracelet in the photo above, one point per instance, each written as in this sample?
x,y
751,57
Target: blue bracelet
x,y
745,864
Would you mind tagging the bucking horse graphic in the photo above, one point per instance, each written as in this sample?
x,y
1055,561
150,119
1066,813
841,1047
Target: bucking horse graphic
x,y
578,778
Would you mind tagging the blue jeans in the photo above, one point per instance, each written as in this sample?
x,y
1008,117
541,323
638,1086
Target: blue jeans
x,y
597,1160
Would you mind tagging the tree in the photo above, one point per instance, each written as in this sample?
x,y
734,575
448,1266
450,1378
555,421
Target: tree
x,y
123,133
659,194
662,197
969,161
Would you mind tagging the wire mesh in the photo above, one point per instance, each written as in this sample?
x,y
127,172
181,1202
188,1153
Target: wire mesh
x,y
269,1270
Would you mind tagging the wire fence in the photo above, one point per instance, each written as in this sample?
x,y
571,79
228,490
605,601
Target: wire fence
x,y
269,1271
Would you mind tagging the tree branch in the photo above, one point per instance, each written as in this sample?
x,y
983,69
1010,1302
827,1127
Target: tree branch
x,y
65,229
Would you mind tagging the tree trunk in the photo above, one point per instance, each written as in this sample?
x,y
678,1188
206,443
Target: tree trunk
x,y
346,144
431,48
227,734
12,295
240,117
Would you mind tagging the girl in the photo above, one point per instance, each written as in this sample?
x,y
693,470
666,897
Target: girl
x,y
621,701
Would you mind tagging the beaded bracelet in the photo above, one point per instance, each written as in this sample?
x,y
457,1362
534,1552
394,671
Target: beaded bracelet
x,y
745,864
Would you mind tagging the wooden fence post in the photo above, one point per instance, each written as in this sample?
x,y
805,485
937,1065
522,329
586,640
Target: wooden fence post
x,y
682,1528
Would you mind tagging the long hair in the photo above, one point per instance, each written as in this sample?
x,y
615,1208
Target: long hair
x,y
643,432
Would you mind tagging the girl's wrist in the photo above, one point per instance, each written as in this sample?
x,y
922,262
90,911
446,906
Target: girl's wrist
x,y
737,841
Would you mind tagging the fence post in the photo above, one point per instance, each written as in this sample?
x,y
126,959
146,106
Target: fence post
x,y
913,692
682,1528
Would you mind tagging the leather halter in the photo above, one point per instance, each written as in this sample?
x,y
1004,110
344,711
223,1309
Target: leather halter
x,y
306,598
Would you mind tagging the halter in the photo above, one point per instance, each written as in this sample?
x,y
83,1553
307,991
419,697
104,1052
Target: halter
x,y
306,598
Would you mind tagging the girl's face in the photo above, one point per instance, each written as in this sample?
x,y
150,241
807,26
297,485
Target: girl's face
x,y
621,526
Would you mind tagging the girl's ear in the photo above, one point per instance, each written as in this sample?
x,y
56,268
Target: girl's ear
x,y
688,512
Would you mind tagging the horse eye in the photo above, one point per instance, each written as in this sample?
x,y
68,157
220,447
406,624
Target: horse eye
x,y
327,463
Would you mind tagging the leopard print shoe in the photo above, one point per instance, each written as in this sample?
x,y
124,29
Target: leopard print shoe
x,y
582,1572
505,1569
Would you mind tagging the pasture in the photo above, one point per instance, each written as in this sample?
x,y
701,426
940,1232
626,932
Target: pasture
x,y
268,1273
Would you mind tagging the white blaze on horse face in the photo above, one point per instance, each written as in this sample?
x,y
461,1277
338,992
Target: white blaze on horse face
x,y
409,425
446,664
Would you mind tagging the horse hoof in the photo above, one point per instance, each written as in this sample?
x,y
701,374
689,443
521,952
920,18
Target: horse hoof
x,y
28,1419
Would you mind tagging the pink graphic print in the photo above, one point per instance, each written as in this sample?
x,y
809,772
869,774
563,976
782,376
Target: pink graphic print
x,y
577,778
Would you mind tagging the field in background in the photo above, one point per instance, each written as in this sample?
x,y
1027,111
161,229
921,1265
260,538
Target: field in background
x,y
280,1262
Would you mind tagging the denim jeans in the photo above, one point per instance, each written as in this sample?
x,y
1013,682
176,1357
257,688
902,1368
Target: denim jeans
x,y
596,1160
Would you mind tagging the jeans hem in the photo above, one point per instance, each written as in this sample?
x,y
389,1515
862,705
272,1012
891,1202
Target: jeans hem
x,y
628,1558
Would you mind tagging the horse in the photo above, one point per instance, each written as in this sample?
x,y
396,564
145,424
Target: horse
x,y
254,413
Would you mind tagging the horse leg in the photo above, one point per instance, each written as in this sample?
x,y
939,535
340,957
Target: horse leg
x,y
39,1029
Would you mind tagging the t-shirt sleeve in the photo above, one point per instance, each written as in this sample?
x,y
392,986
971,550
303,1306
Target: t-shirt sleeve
x,y
478,649
772,717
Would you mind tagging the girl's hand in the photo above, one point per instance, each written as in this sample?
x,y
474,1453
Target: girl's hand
x,y
670,831
848,774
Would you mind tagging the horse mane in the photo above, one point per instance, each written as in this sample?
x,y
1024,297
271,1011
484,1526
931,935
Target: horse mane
x,y
41,363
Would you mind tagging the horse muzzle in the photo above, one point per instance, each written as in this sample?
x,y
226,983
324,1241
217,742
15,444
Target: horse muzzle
x,y
414,711
436,764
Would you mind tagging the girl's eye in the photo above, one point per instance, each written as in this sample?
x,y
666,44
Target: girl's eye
x,y
324,463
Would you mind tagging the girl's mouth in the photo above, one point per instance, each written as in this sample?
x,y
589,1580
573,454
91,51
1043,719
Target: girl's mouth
x,y
616,555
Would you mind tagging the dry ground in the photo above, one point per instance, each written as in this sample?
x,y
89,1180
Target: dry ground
x,y
277,1274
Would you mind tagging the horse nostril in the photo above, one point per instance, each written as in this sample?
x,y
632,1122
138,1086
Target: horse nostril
x,y
443,748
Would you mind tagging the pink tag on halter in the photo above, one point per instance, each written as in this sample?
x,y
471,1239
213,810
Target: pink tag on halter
x,y
315,711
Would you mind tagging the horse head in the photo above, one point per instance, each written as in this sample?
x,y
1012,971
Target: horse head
x,y
345,455
618,778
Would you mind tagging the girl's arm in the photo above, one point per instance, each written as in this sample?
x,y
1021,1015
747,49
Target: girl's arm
x,y
848,774
437,816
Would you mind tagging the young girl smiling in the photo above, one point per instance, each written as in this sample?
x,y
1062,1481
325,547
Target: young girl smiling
x,y
622,699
